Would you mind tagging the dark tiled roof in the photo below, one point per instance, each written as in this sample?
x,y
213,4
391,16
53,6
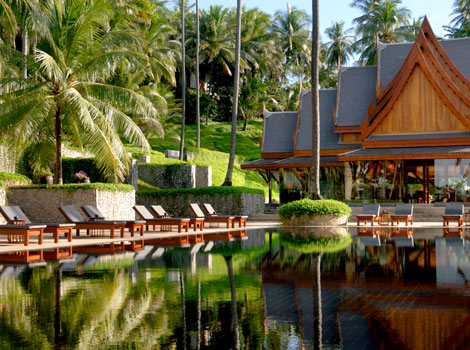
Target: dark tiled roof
x,y
428,136
407,151
303,162
278,133
356,89
260,162
328,139
392,57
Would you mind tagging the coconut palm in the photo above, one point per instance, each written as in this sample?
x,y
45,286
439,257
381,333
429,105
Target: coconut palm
x,y
460,25
259,49
381,19
216,48
198,93
236,81
71,98
410,32
339,47
314,178
292,29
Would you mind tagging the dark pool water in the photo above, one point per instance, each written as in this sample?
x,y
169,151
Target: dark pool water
x,y
268,290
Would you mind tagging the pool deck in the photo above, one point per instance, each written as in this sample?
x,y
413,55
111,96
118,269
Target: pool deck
x,y
424,230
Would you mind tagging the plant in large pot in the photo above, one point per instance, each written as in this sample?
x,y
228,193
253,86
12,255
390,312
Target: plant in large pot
x,y
307,212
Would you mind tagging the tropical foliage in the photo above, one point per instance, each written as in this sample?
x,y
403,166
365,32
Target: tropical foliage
x,y
313,207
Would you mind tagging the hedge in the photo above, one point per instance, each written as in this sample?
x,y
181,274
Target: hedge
x,y
310,207
312,244
14,177
222,190
83,186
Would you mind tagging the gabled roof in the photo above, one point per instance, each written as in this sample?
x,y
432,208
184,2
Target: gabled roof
x,y
450,86
328,138
356,89
278,131
392,57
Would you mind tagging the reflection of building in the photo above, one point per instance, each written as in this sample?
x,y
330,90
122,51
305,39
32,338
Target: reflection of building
x,y
393,297
403,126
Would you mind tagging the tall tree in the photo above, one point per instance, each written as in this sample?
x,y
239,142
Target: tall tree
x,y
459,27
70,97
382,20
236,78
339,47
198,93
291,27
314,178
183,79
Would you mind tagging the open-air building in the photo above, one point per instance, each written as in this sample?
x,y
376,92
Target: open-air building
x,y
396,131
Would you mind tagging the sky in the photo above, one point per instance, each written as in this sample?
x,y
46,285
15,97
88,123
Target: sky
x,y
437,11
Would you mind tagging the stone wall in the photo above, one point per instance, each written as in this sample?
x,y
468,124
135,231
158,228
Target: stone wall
x,y
203,176
172,176
234,204
40,205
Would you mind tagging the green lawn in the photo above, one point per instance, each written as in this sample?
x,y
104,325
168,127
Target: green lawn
x,y
214,151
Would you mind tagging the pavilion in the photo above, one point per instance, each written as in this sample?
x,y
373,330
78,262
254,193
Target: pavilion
x,y
396,131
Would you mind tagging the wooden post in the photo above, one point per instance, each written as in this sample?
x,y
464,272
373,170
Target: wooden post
x,y
270,176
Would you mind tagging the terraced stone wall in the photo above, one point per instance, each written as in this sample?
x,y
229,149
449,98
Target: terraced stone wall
x,y
40,205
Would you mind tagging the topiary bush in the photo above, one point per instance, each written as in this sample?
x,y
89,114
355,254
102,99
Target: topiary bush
x,y
310,208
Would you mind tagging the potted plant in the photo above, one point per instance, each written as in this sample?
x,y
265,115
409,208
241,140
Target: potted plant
x,y
81,177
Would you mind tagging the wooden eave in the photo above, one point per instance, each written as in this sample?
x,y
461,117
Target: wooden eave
x,y
276,155
324,152
443,77
342,129
458,141
346,158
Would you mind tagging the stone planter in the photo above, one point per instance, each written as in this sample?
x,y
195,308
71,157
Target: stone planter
x,y
316,220
41,204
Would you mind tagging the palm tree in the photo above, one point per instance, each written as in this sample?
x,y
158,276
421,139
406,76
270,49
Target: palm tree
x,y
339,47
71,98
183,78
291,27
236,78
410,32
216,47
460,25
314,178
198,100
381,19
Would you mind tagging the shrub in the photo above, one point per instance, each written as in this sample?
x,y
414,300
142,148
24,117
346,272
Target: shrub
x,y
223,190
310,207
308,245
8,177
84,186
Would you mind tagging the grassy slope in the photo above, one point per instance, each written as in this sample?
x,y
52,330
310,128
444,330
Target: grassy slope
x,y
215,146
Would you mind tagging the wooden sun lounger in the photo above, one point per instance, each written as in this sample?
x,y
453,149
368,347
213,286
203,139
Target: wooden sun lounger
x,y
453,212
94,214
160,212
146,215
403,212
72,215
21,233
15,216
210,211
199,214
370,212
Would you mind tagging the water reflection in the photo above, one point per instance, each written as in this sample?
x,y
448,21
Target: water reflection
x,y
246,290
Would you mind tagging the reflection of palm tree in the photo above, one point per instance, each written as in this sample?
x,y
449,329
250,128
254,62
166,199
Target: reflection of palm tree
x,y
316,289
228,261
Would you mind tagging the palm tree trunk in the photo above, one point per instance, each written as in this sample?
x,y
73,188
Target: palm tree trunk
x,y
314,187
198,105
25,42
233,293
245,118
233,140
183,80
58,147
348,181
316,290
